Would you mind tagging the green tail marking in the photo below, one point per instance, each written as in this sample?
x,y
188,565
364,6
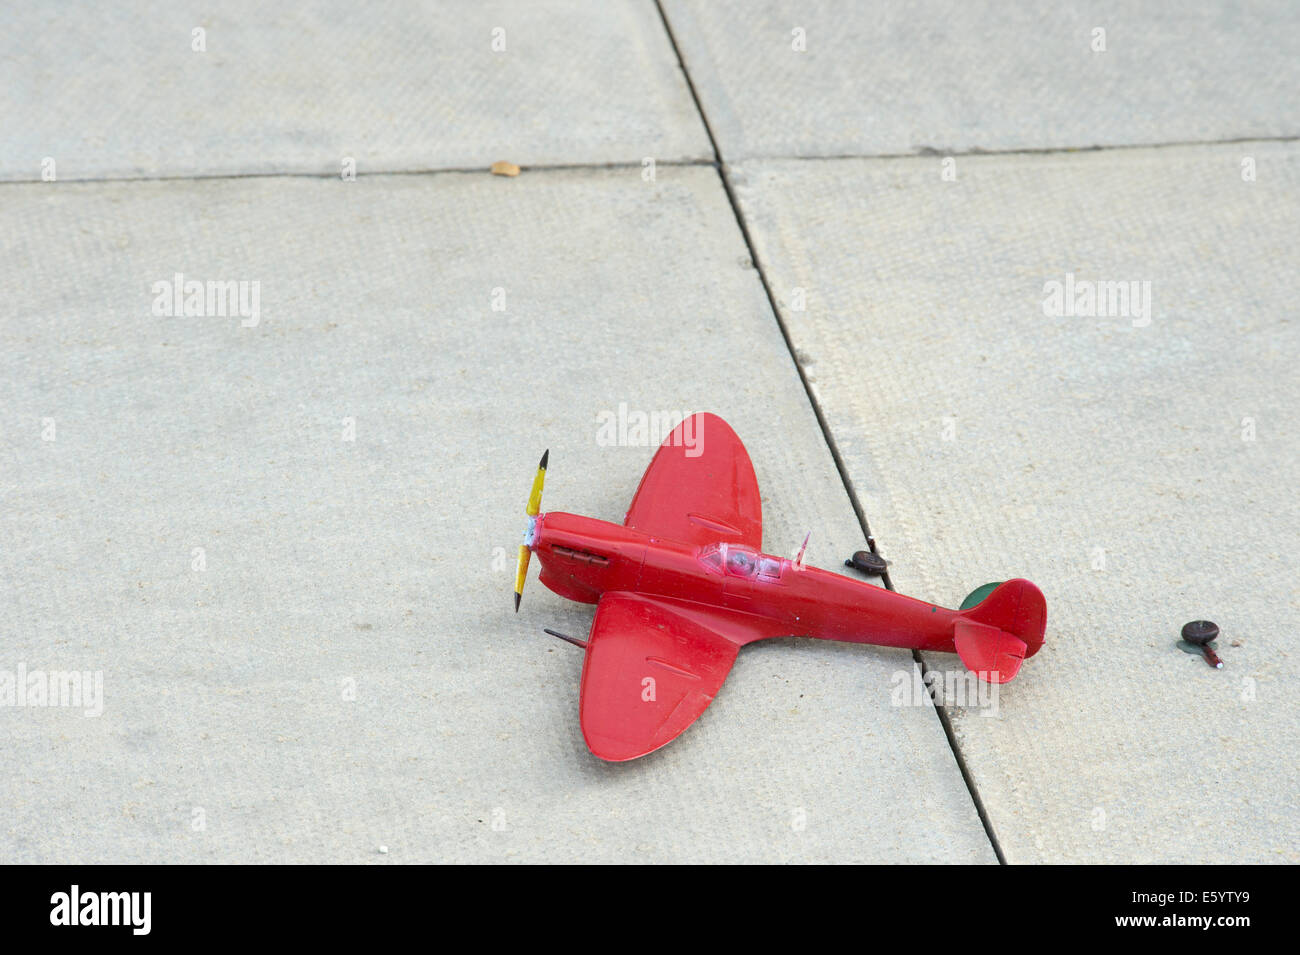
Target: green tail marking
x,y
977,595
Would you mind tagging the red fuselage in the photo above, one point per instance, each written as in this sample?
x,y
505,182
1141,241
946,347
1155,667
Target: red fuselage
x,y
582,558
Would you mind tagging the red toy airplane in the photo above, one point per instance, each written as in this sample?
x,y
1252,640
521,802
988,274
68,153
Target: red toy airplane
x,y
681,585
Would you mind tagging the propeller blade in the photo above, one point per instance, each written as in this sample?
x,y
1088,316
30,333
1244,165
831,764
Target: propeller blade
x,y
535,498
532,510
521,572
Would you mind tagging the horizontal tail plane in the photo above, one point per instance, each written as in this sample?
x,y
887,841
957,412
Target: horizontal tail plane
x,y
996,635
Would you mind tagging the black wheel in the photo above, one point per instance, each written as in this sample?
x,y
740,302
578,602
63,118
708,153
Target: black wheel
x,y
865,562
1200,632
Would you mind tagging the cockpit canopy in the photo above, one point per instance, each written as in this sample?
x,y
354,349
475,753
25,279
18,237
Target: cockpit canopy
x,y
737,560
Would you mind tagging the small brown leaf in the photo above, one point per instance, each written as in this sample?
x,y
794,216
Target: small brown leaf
x,y
503,168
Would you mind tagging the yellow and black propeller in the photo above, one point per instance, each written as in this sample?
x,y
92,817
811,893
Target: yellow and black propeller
x,y
534,506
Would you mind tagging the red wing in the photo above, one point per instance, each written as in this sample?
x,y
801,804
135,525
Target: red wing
x,y
700,488
651,669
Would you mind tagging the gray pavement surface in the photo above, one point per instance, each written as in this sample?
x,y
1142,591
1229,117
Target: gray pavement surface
x,y
381,568
898,78
119,91
285,535
1139,473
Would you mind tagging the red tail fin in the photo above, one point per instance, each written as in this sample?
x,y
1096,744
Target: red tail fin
x,y
996,635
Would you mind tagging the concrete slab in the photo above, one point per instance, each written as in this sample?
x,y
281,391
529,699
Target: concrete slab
x,y
107,92
1141,473
289,545
897,78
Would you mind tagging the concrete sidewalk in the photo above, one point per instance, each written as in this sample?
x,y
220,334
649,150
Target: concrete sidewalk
x,y
827,78
289,547
285,537
1135,466
390,87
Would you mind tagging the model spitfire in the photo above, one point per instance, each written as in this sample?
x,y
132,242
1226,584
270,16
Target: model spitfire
x,y
682,584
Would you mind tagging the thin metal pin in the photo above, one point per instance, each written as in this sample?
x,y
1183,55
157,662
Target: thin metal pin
x,y
565,637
